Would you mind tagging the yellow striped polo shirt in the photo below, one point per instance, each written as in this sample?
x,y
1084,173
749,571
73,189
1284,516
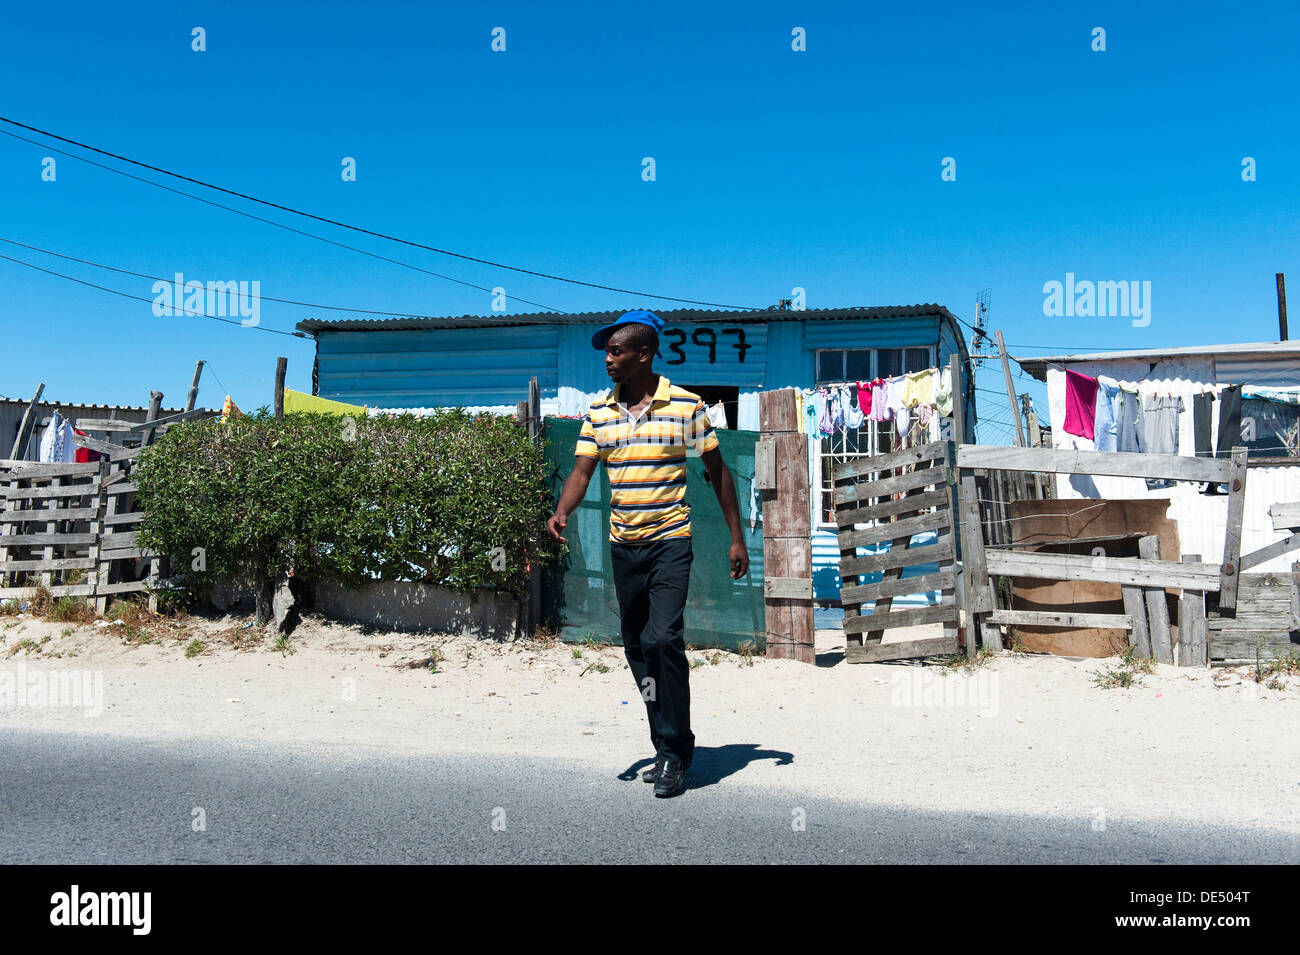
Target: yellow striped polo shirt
x,y
646,460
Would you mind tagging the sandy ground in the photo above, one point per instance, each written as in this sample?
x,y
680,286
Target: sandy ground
x,y
1022,733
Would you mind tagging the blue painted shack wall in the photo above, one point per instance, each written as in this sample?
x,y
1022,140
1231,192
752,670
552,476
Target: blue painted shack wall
x,y
490,368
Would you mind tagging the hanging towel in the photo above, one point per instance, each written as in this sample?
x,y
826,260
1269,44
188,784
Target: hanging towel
x,y
853,415
1080,404
1105,427
943,392
1229,421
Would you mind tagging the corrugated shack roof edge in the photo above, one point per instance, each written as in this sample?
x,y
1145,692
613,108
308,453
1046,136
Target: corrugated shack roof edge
x,y
670,317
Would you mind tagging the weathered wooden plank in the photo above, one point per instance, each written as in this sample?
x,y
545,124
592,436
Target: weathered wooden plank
x,y
1162,644
1286,517
905,650
1231,569
48,514
47,540
1254,622
898,587
115,425
124,487
127,586
125,553
1043,618
1242,646
172,419
765,465
1135,609
894,619
1099,463
866,490
117,520
1114,570
855,468
1269,551
906,505
58,590
57,563
788,588
28,470
898,557
975,571
44,493
909,527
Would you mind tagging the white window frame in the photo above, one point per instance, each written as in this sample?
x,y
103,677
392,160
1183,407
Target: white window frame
x,y
823,456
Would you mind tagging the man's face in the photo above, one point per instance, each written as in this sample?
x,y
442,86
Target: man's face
x,y
622,361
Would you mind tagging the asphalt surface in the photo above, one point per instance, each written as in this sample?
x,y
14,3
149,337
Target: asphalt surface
x,y
79,799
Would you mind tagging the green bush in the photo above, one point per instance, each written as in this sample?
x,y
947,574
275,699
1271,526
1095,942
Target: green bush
x,y
452,498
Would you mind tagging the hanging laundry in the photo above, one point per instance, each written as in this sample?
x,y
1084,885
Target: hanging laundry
x,y
854,417
880,410
897,408
864,398
943,392
1130,431
1229,421
918,388
835,402
84,455
809,416
229,409
717,415
1080,404
1202,416
1160,423
1105,427
825,416
798,410
57,446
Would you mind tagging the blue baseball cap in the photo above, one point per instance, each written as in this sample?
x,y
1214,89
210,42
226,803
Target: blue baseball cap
x,y
638,317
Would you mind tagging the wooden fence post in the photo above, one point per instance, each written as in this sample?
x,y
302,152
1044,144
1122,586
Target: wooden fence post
x,y
281,366
1232,535
787,529
1193,636
28,423
1157,606
194,387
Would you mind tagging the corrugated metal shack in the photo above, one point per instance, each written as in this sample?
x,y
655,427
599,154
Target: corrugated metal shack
x,y
1184,373
485,362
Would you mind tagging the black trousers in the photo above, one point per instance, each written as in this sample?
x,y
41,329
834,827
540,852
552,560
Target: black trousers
x,y
651,581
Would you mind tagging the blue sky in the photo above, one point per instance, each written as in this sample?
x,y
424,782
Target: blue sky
x,y
775,169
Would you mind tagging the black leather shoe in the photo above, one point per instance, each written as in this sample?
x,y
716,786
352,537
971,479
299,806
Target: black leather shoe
x,y
672,777
652,774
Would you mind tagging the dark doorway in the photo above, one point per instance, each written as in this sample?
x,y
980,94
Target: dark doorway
x,y
729,395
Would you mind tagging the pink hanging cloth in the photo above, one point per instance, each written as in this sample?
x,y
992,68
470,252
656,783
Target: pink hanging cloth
x,y
1080,404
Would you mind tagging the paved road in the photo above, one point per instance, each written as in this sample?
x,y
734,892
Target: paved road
x,y
67,798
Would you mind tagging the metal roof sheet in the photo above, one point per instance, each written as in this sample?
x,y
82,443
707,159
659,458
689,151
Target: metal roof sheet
x,y
670,317
1038,366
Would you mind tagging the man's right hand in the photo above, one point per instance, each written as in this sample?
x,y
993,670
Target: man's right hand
x,y
555,524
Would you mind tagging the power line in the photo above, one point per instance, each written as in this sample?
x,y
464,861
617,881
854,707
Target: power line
x,y
188,311
272,222
379,235
158,278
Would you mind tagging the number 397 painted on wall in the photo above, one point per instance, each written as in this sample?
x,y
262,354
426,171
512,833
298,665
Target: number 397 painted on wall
x,y
705,337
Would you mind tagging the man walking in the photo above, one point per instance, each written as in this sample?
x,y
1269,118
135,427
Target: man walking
x,y
642,430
